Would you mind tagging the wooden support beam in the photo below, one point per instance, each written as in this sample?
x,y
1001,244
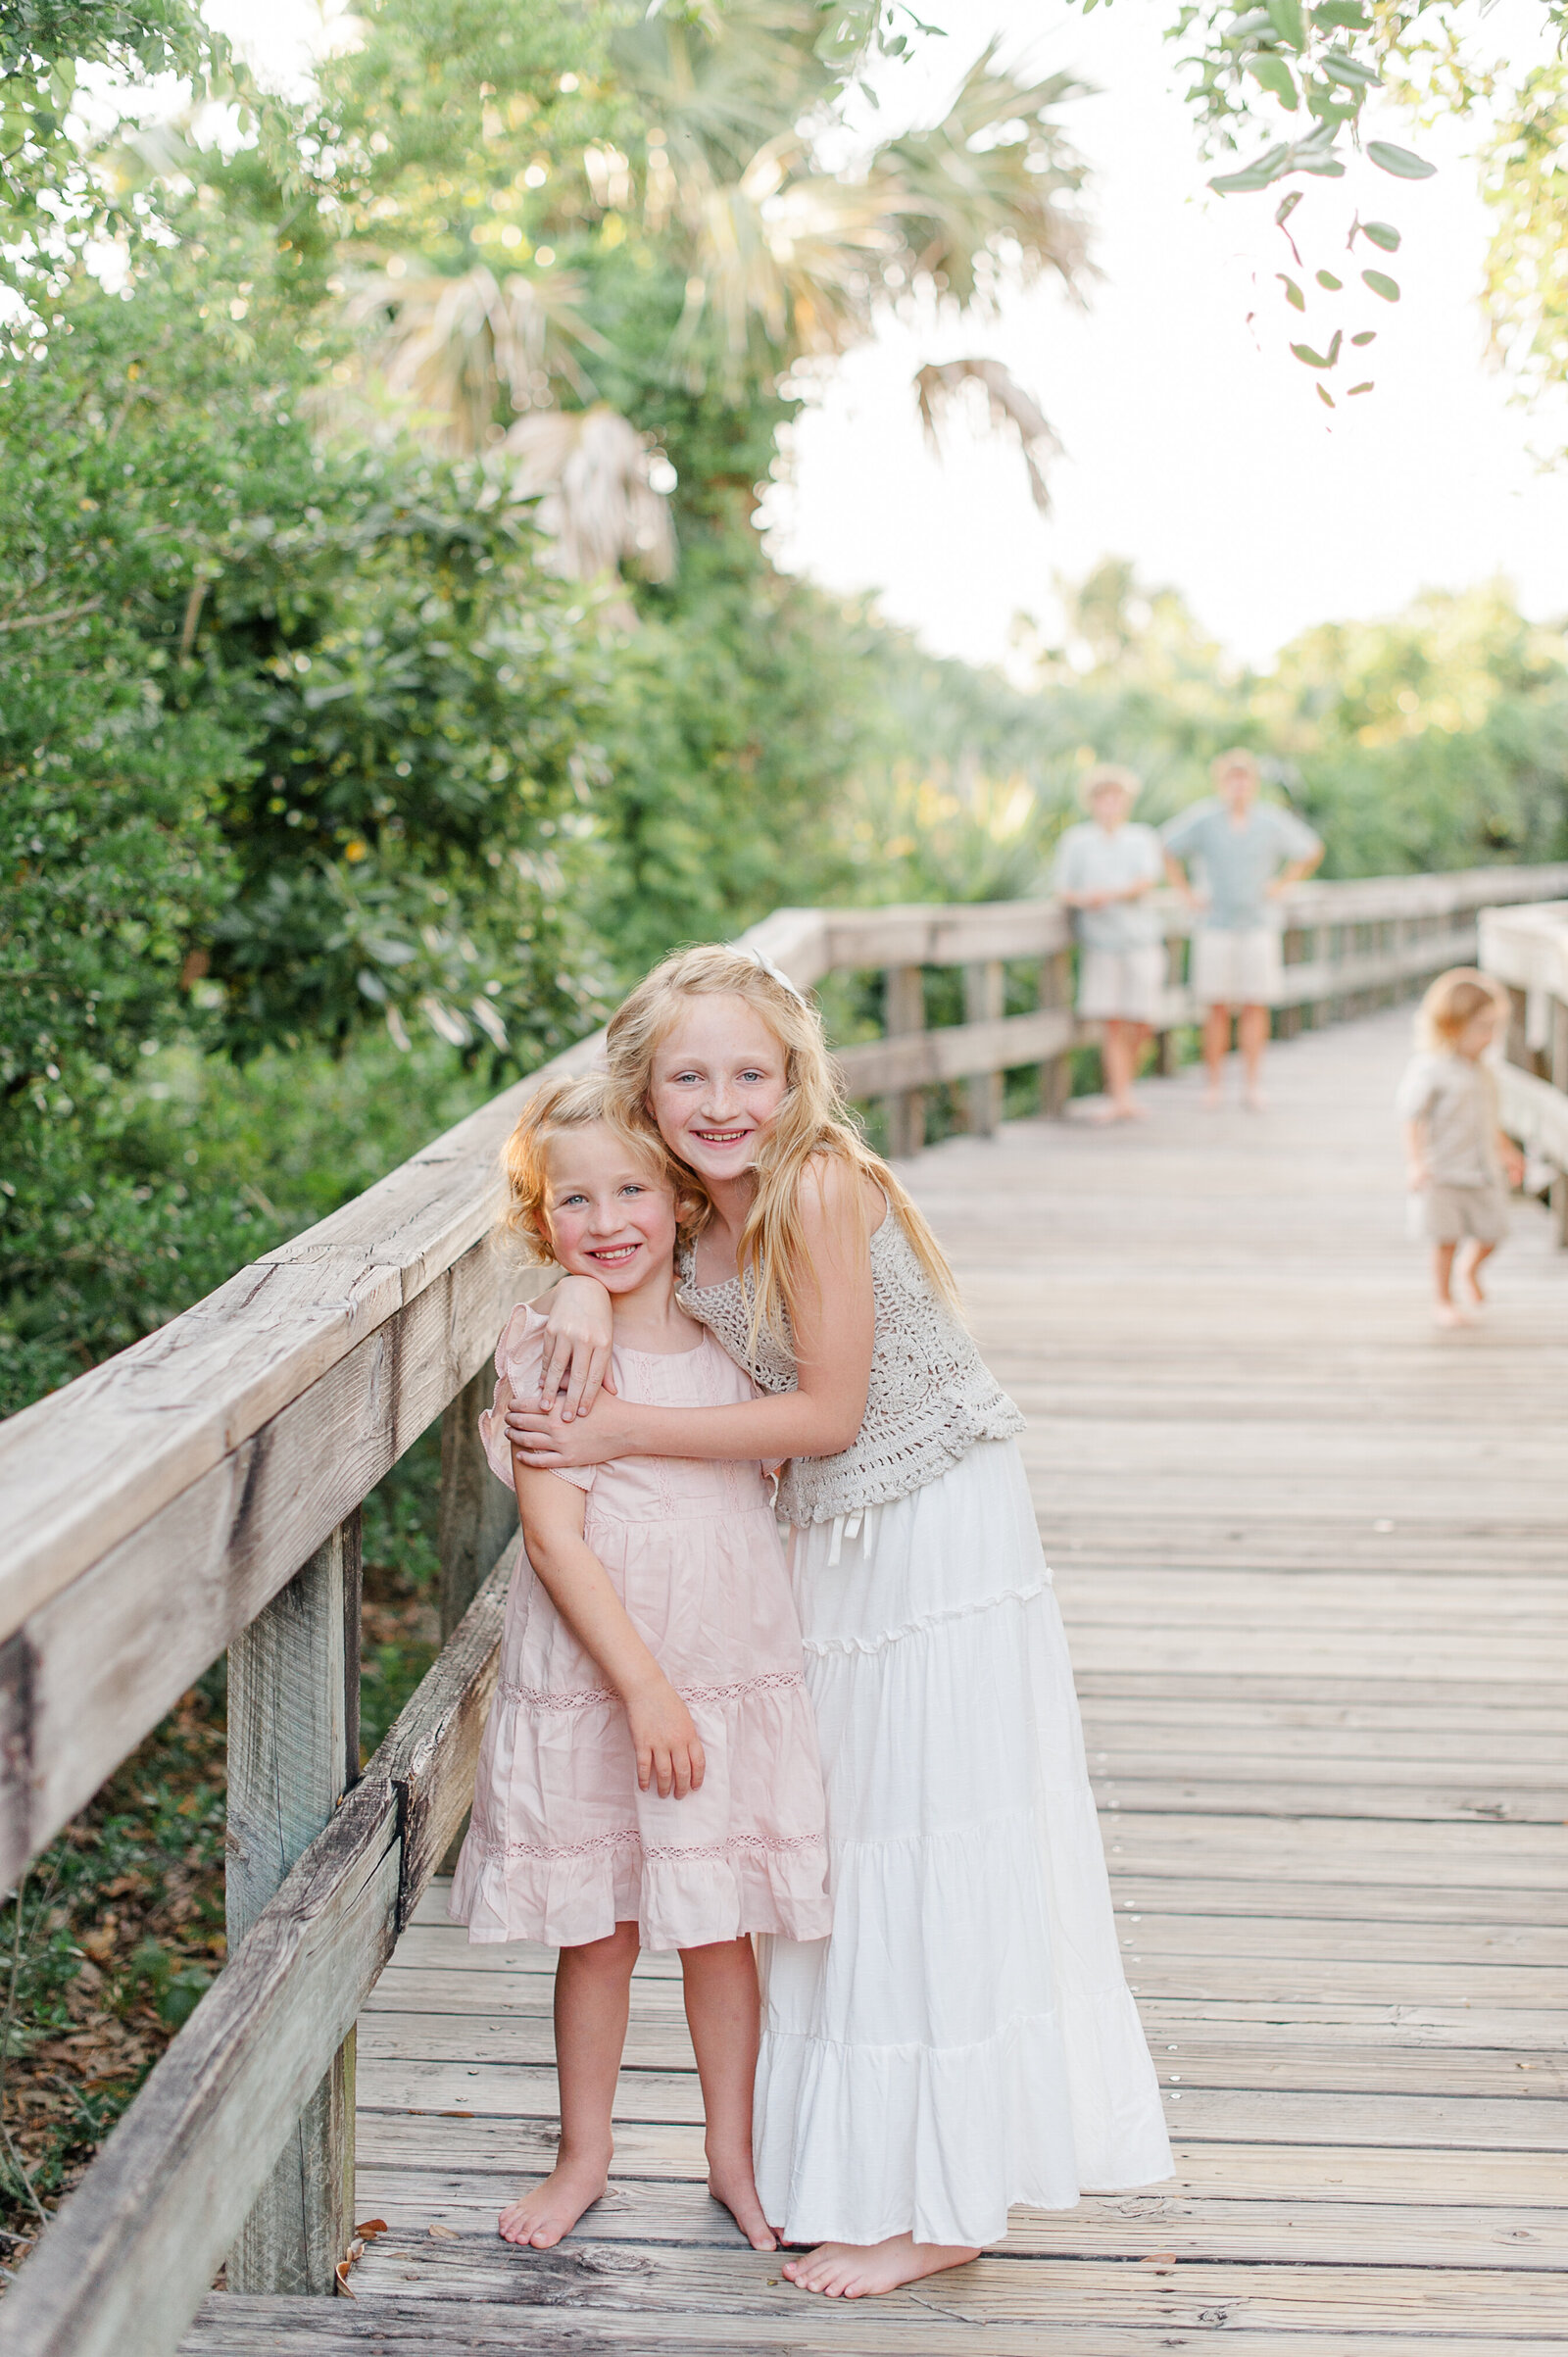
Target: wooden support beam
x,y
904,1014
1056,995
293,1753
984,996
478,1513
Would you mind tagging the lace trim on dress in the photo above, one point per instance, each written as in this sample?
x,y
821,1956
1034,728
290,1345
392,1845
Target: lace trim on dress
x,y
583,1697
660,1850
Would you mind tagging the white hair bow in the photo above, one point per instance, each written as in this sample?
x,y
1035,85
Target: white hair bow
x,y
779,974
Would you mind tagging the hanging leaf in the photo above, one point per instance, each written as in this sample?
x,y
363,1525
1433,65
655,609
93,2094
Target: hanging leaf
x,y
1275,77
1268,166
1381,233
1348,72
1348,14
1328,279
1325,396
1319,360
1292,293
1288,22
1399,161
1286,207
1362,388
1382,284
1368,335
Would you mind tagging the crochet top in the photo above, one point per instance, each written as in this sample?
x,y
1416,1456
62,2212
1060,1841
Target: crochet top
x,y
930,1398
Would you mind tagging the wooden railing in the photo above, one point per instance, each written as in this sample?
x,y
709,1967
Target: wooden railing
x,y
160,1510
1527,949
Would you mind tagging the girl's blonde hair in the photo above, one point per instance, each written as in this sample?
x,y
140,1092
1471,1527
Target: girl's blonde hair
x,y
1452,1000
577,1103
812,1118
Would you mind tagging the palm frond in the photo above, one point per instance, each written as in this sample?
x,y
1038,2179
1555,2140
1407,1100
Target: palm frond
x,y
991,181
1011,410
451,345
587,471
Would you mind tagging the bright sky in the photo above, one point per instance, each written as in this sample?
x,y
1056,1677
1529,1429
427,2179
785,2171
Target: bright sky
x,y
1194,444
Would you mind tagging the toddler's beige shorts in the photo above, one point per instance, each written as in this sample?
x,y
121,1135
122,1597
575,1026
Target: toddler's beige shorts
x,y
1449,1214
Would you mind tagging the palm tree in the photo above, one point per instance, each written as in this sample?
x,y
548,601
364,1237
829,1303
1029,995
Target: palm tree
x,y
782,259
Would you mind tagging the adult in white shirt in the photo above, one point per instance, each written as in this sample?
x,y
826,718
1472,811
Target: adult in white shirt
x,y
1246,853
1105,871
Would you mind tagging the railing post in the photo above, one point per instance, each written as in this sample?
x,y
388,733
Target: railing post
x,y
293,1753
903,1011
478,1514
1055,992
984,996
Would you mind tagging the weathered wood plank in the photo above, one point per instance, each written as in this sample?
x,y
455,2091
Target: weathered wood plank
x,y
1241,2171
1192,2226
293,1751
658,2281
805,2328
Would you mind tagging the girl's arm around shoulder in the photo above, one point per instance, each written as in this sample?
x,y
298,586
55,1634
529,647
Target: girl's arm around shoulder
x,y
553,1512
579,1331
834,1320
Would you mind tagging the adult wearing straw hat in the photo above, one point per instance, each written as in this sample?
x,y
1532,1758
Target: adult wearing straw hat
x,y
1105,871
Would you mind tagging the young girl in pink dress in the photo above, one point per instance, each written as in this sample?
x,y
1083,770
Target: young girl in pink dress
x,y
966,2038
649,1772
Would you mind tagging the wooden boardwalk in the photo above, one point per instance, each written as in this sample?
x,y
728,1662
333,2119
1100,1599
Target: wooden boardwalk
x,y
1311,1554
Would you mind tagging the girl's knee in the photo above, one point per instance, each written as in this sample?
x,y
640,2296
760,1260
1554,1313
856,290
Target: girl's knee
x,y
617,1948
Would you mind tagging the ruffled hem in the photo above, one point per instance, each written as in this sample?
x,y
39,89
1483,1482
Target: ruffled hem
x,y
961,2132
817,1647
569,1895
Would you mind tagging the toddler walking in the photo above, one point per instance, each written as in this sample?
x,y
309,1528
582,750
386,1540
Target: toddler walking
x,y
649,1773
1460,1161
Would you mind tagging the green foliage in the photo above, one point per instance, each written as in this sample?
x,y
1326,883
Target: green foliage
x,y
1437,740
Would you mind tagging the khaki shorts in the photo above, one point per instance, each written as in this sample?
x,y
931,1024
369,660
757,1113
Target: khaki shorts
x,y
1448,1214
1122,985
1236,969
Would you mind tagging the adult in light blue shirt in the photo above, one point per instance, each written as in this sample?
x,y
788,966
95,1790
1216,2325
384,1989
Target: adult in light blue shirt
x,y
1246,853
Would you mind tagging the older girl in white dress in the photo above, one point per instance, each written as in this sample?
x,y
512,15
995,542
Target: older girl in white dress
x,y
966,2038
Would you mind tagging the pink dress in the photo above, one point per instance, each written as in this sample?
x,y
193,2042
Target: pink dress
x,y
563,1845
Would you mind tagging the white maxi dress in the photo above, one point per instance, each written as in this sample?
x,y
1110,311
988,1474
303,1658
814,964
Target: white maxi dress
x,y
966,2038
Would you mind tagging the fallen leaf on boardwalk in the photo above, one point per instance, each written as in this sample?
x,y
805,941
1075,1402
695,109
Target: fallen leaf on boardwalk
x,y
341,2271
445,2233
454,2115
372,2228
1163,2262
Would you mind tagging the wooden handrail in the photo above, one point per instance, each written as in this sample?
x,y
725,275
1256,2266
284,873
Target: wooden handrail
x,y
1527,949
228,1448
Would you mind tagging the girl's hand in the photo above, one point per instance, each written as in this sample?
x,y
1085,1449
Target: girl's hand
x,y
670,1751
1416,1178
579,1333
1514,1163
549,1441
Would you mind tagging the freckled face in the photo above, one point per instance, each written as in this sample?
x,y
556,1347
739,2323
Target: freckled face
x,y
611,1215
718,1078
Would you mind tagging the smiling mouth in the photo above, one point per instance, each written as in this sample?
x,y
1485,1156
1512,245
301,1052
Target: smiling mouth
x,y
722,1137
614,1255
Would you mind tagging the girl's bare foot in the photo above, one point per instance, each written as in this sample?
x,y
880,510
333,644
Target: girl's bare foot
x,y
852,2270
539,2218
1449,1313
1130,1110
731,2182
1214,1097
